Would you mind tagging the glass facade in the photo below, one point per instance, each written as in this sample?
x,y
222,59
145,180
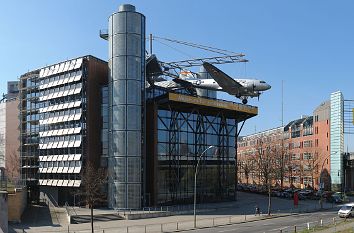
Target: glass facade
x,y
182,138
29,129
337,140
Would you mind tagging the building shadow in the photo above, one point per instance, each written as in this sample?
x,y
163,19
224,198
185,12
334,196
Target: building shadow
x,y
34,216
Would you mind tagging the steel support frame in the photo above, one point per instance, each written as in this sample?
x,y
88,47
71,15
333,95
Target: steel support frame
x,y
203,125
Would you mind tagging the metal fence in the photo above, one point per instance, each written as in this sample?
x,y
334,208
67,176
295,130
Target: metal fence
x,y
215,222
218,221
313,226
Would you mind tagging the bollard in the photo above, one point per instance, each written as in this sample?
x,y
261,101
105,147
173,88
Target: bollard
x,y
295,229
161,228
334,221
321,222
213,222
145,228
68,229
245,218
127,229
281,231
308,226
230,219
177,226
102,231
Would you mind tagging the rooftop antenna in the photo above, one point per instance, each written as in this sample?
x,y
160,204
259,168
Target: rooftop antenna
x,y
282,133
150,38
282,103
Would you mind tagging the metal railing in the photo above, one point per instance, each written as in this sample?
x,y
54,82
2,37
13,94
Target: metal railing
x,y
217,222
3,180
313,226
49,199
70,210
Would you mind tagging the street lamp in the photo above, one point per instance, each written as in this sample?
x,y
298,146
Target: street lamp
x,y
195,185
323,165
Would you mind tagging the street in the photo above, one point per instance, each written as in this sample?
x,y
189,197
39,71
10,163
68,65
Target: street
x,y
286,224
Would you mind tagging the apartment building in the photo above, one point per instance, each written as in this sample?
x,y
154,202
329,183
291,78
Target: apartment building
x,y
302,147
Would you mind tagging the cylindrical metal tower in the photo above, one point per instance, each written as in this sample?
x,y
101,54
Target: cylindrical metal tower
x,y
203,92
126,37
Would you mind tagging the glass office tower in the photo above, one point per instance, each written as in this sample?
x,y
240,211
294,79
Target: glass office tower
x,y
337,140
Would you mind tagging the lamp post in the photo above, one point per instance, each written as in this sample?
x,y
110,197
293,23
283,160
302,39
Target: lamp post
x,y
195,185
323,165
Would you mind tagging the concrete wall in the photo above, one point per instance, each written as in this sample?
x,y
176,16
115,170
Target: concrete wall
x,y
2,133
3,212
17,202
12,143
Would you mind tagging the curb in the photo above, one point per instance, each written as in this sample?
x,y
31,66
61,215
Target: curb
x,y
254,220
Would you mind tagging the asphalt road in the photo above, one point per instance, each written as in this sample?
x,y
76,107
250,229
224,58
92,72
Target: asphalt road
x,y
286,224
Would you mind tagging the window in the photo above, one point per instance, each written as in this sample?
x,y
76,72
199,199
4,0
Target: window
x,y
307,156
308,143
295,156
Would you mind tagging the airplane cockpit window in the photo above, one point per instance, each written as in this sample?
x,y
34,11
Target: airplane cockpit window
x,y
262,82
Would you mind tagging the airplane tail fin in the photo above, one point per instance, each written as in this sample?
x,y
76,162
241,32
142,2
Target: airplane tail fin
x,y
186,74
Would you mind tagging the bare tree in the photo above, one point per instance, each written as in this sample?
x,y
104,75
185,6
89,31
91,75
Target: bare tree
x,y
92,181
266,163
247,166
311,161
282,162
13,166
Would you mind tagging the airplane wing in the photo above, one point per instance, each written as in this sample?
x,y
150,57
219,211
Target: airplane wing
x,y
227,83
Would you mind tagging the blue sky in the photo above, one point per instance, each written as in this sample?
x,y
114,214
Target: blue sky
x,y
307,44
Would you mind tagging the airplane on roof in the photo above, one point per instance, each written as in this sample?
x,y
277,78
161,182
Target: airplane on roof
x,y
240,88
219,81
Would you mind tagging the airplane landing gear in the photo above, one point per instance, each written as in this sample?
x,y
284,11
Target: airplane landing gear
x,y
244,101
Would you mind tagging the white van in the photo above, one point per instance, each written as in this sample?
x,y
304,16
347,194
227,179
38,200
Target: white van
x,y
346,211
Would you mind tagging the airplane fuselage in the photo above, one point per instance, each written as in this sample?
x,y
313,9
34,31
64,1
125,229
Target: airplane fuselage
x,y
250,87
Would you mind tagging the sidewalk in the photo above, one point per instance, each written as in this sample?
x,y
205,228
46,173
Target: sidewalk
x,y
339,228
214,214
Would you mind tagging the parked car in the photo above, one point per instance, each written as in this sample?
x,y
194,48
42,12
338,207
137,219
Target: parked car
x,y
287,194
306,193
346,211
334,199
